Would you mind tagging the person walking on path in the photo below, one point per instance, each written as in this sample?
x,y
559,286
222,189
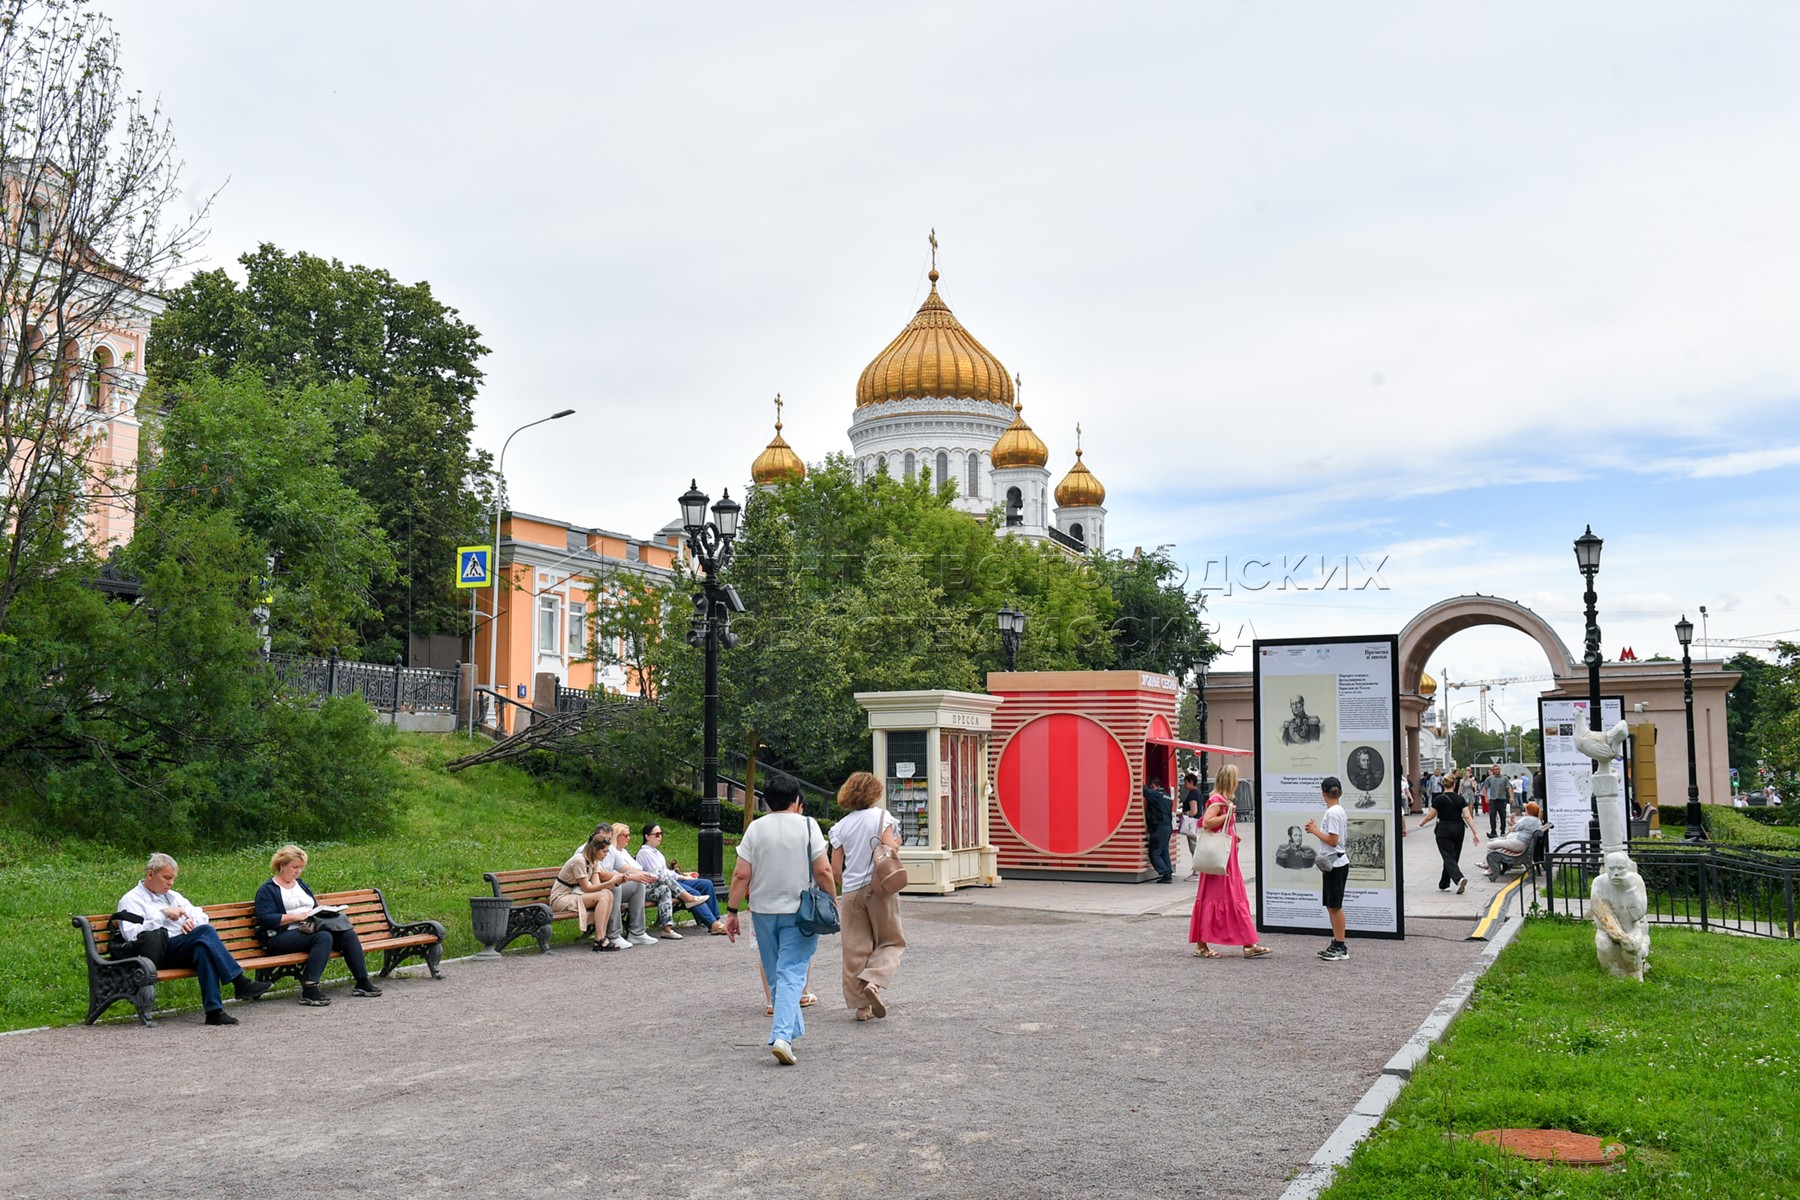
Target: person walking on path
x,y
781,851
1333,863
1159,828
1221,908
1495,788
1452,814
872,938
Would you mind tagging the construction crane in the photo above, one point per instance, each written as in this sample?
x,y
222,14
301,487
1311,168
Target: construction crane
x,y
1483,707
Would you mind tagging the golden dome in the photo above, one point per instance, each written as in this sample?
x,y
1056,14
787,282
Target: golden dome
x,y
777,463
934,356
1079,487
1018,446
1427,685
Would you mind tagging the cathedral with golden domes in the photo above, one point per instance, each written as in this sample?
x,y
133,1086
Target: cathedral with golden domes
x,y
937,402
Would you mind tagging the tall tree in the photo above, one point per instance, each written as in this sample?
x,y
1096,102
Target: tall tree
x,y
299,320
1158,626
88,177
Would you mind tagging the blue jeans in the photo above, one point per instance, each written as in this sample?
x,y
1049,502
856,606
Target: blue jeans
x,y
206,955
707,911
786,955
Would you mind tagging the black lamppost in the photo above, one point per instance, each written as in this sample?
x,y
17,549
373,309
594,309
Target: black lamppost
x,y
1200,716
1012,632
1696,825
710,544
1587,557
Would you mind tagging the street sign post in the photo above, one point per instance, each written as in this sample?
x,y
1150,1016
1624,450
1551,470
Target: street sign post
x,y
472,566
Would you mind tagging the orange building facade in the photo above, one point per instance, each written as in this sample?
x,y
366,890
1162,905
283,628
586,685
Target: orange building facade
x,y
553,577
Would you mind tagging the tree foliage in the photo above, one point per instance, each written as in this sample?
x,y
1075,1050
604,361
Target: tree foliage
x,y
88,177
1774,735
301,321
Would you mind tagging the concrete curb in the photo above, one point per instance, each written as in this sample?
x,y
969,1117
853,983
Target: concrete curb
x,y
1367,1113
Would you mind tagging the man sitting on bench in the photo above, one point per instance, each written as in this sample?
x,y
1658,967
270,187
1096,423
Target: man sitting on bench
x,y
187,939
1514,849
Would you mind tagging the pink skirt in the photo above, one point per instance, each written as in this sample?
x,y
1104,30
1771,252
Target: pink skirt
x,y
1222,908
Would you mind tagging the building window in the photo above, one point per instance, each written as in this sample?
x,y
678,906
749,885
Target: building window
x,y
881,464
943,471
31,232
1015,506
577,629
1075,532
974,473
911,466
100,383
549,624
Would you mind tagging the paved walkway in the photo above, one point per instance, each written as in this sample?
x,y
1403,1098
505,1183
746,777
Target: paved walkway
x,y
1050,1040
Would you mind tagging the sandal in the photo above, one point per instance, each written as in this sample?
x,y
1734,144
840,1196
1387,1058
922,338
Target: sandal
x,y
1256,951
1205,952
605,944
807,999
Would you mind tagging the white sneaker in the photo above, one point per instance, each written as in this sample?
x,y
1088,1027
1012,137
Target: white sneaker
x,y
642,939
783,1052
622,943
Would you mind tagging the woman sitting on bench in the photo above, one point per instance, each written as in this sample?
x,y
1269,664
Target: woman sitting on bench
x,y
584,887
289,921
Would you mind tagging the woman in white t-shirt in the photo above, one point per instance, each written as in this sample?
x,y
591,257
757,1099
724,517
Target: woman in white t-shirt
x,y
871,935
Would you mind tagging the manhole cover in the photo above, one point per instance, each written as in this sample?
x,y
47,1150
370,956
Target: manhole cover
x,y
1553,1145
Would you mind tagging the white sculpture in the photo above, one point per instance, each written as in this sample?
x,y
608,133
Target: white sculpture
x,y
1621,907
1621,924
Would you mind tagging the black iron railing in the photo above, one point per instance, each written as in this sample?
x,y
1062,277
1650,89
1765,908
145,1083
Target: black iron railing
x,y
1706,886
386,688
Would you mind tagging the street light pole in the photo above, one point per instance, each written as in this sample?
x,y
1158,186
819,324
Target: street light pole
x,y
494,562
1587,559
1012,632
710,544
1200,713
1696,824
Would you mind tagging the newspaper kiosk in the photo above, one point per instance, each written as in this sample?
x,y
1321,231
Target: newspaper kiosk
x,y
931,752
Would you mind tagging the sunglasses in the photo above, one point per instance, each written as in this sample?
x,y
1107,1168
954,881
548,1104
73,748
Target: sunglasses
x,y
654,833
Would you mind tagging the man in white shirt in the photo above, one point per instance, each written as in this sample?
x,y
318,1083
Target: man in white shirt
x,y
192,941
781,852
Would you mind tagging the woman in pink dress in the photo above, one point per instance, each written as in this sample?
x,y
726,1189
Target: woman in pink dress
x,y
1221,908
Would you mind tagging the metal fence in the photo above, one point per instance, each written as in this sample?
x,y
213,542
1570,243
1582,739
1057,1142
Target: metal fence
x,y
570,699
1704,886
387,689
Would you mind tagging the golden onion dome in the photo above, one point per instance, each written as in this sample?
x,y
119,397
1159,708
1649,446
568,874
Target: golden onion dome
x,y
1019,446
777,463
1079,488
1427,685
934,356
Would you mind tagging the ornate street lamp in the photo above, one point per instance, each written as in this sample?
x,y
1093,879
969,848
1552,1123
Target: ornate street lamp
x,y
1012,632
710,544
494,565
1587,557
1200,716
1696,825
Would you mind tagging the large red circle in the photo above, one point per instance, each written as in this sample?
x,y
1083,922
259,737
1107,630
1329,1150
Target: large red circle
x,y
1064,783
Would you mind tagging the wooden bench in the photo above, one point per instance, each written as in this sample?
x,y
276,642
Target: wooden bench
x,y
529,891
135,979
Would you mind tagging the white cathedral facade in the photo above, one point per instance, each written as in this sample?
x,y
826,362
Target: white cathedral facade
x,y
936,401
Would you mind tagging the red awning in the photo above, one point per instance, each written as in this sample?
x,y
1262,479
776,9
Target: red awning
x,y
1196,747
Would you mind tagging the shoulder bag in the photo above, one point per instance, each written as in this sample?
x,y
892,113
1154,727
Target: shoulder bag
x,y
818,908
890,873
1212,849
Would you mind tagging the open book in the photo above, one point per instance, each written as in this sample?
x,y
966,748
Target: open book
x,y
324,910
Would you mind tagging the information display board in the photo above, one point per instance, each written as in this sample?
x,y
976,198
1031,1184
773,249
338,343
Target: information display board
x,y
1328,706
1568,773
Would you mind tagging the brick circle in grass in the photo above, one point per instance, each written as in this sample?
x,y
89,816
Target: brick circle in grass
x,y
1553,1145
1064,783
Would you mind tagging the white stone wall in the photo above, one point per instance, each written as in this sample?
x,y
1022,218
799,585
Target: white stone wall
x,y
1091,518
881,435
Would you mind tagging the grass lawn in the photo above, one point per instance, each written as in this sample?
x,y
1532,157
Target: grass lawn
x,y
454,827
1696,1072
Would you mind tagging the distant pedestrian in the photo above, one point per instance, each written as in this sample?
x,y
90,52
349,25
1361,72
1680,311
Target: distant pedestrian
x,y
1452,814
1537,785
1221,905
1494,787
1334,864
1191,807
781,853
872,939
1159,828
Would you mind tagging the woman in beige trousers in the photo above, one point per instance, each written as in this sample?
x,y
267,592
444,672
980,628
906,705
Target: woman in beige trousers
x,y
871,935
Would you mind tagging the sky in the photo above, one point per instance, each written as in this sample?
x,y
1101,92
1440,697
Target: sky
x,y
1423,288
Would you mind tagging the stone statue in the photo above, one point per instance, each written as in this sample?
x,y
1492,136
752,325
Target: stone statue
x,y
1621,907
1621,918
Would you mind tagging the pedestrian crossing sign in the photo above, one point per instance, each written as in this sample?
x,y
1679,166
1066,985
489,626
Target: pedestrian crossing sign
x,y
472,566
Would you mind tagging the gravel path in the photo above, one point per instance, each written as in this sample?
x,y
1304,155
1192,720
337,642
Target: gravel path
x,y
1030,1053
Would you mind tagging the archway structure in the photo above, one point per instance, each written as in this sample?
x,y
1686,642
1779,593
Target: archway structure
x,y
1443,620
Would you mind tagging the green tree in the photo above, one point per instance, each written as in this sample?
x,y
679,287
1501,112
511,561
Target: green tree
x,y
274,460
1158,626
299,320
1775,734
1760,679
629,615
